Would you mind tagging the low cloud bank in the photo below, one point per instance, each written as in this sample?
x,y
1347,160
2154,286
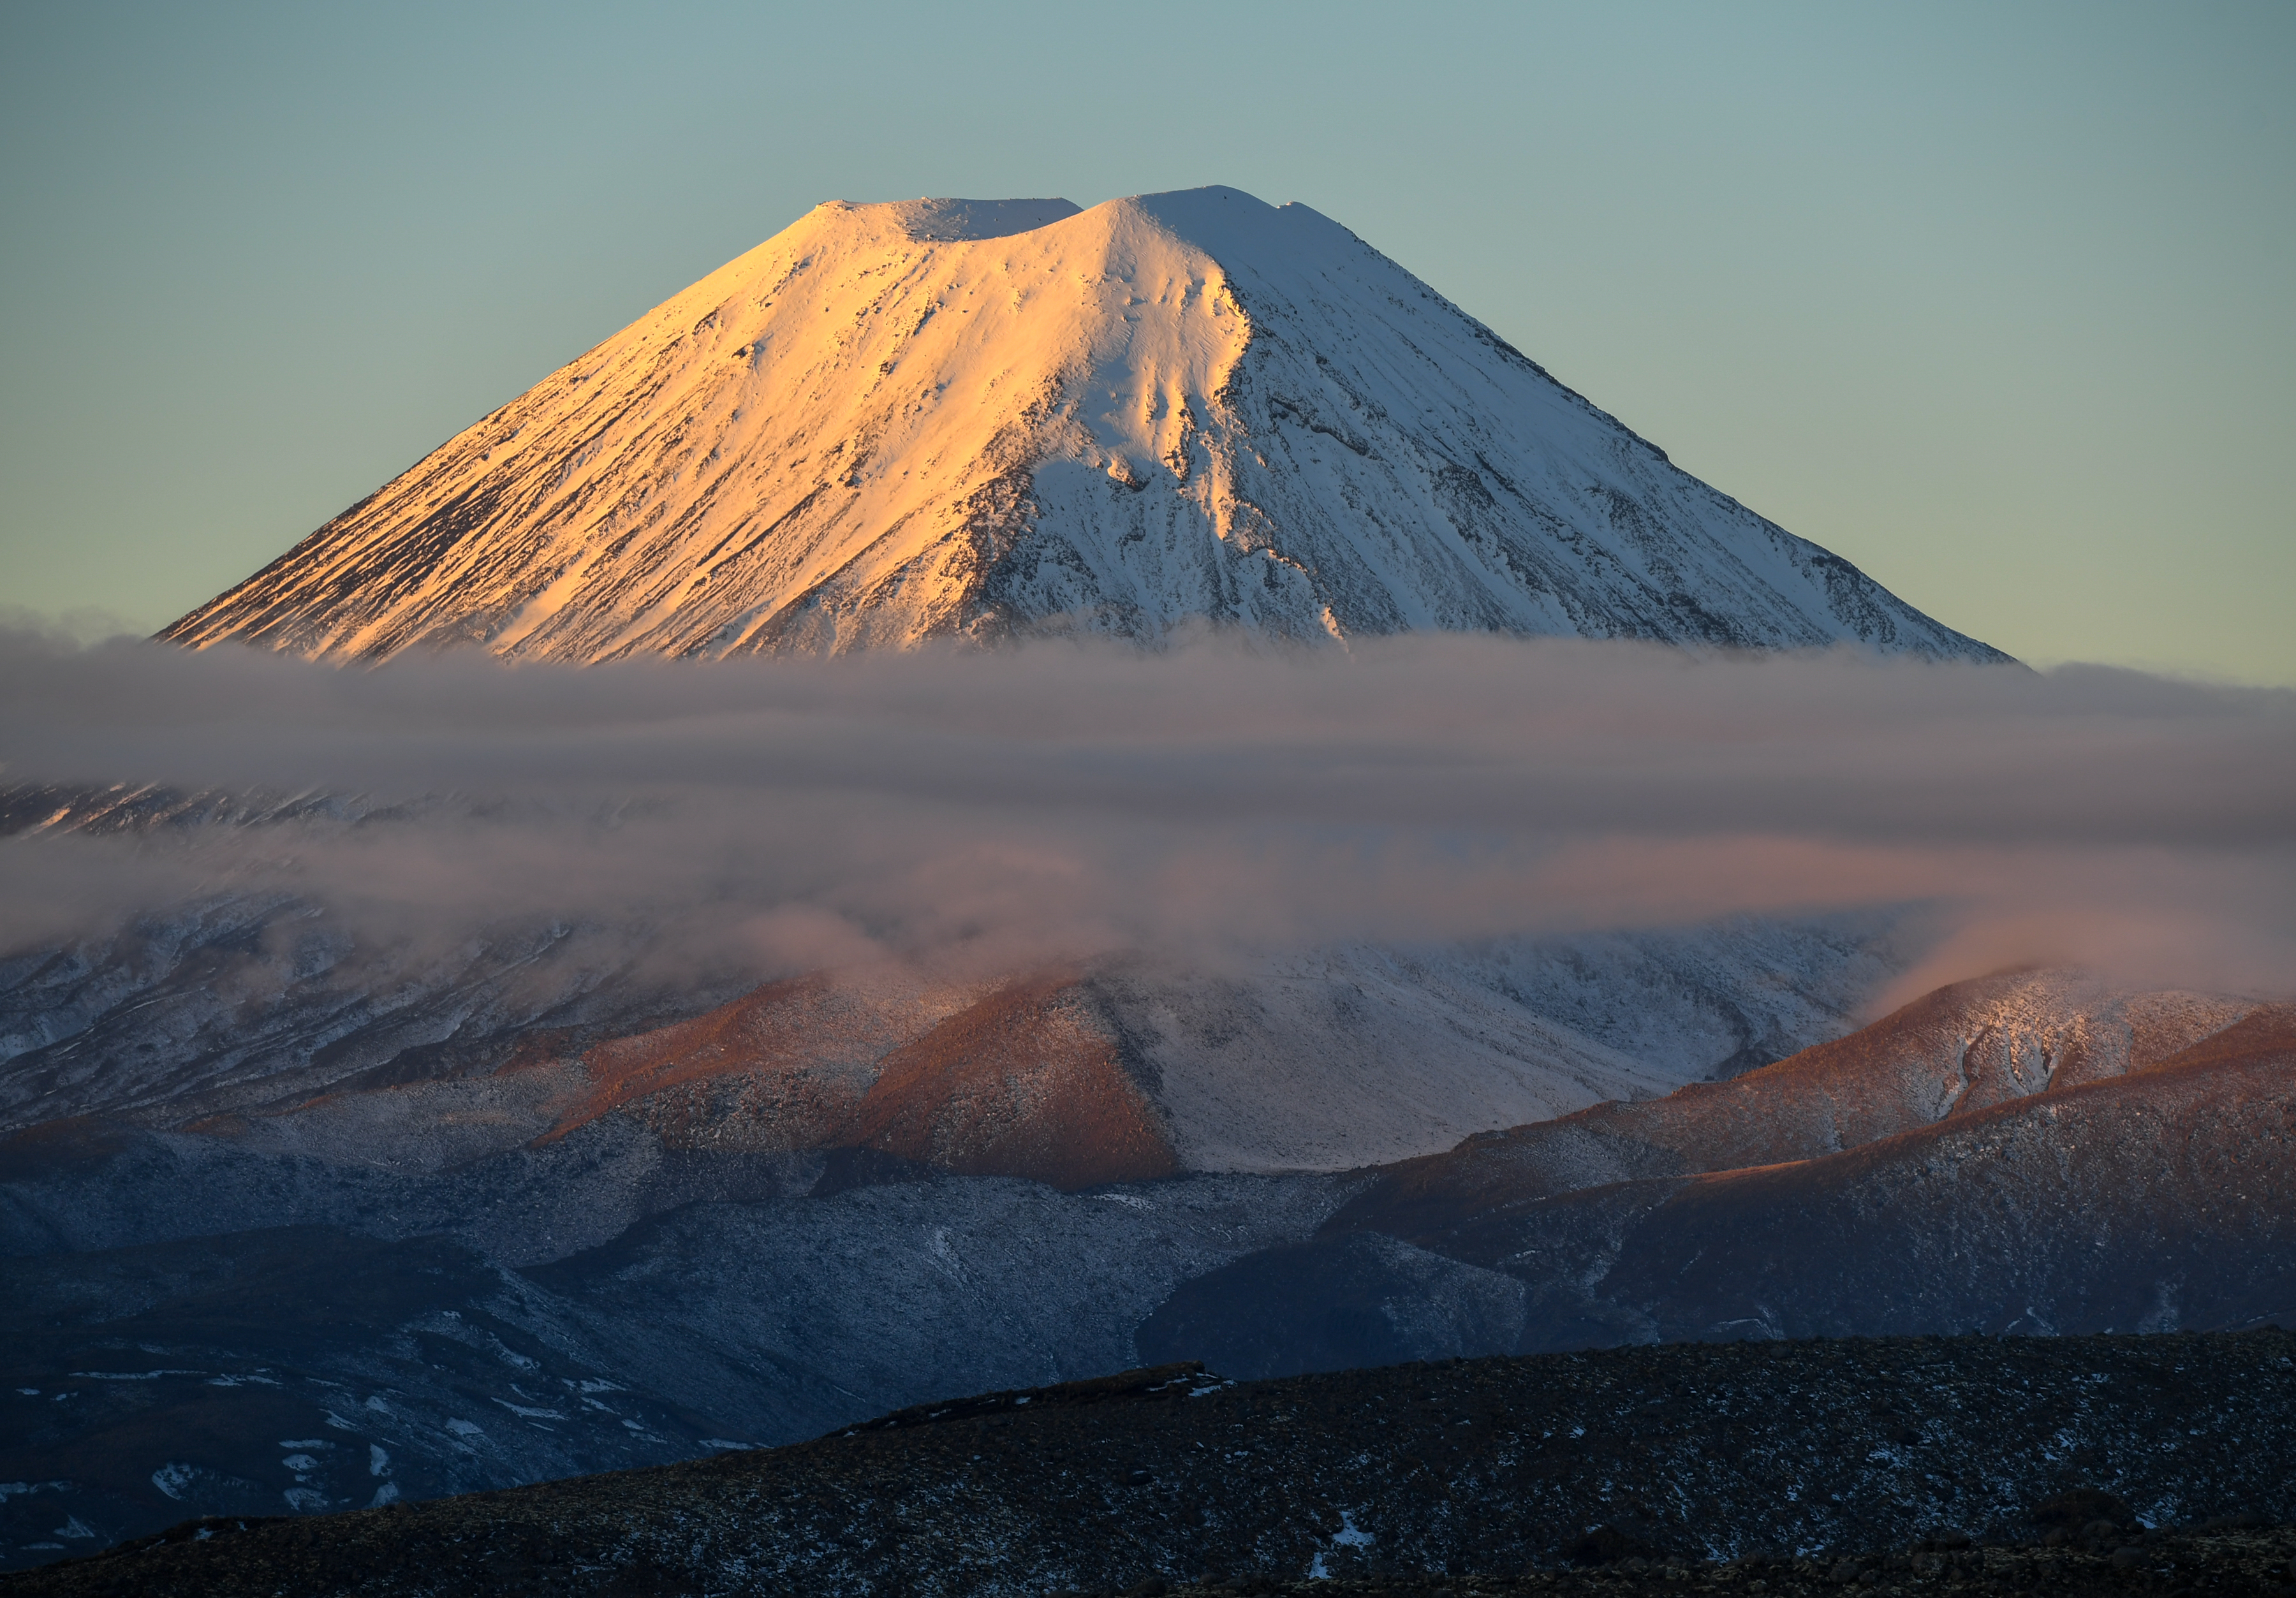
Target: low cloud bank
x,y
980,810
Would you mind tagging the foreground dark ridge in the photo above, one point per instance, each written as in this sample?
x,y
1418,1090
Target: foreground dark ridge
x,y
1795,1455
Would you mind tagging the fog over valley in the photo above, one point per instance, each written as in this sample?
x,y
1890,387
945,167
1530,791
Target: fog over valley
x,y
979,810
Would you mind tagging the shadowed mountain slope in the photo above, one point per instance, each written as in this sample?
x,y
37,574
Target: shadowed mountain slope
x,y
2141,1190
1952,1053
772,1219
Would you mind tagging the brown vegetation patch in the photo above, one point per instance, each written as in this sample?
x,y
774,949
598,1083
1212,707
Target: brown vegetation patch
x,y
778,1068
1027,1083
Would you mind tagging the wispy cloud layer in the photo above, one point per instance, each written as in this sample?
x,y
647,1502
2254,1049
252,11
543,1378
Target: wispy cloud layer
x,y
1057,799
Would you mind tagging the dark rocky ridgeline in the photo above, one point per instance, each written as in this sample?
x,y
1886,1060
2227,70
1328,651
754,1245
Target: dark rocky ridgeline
x,y
2159,1198
1930,1464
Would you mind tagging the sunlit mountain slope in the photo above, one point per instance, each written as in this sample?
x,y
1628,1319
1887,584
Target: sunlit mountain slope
x,y
958,419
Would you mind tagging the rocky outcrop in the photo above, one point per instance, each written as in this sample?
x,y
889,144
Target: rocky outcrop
x,y
1913,1465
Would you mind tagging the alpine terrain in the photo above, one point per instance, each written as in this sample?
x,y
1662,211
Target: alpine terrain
x,y
332,1184
964,419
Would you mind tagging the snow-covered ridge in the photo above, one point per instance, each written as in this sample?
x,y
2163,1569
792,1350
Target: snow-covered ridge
x,y
958,418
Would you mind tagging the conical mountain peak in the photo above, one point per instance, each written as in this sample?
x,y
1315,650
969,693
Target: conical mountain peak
x,y
973,419
930,221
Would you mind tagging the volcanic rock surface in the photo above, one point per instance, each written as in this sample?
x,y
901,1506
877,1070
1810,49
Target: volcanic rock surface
x,y
962,418
1802,1463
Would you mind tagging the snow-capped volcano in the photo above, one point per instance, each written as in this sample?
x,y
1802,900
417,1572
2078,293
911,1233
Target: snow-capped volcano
x,y
961,419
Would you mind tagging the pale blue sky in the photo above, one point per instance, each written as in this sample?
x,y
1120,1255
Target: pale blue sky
x,y
1994,299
